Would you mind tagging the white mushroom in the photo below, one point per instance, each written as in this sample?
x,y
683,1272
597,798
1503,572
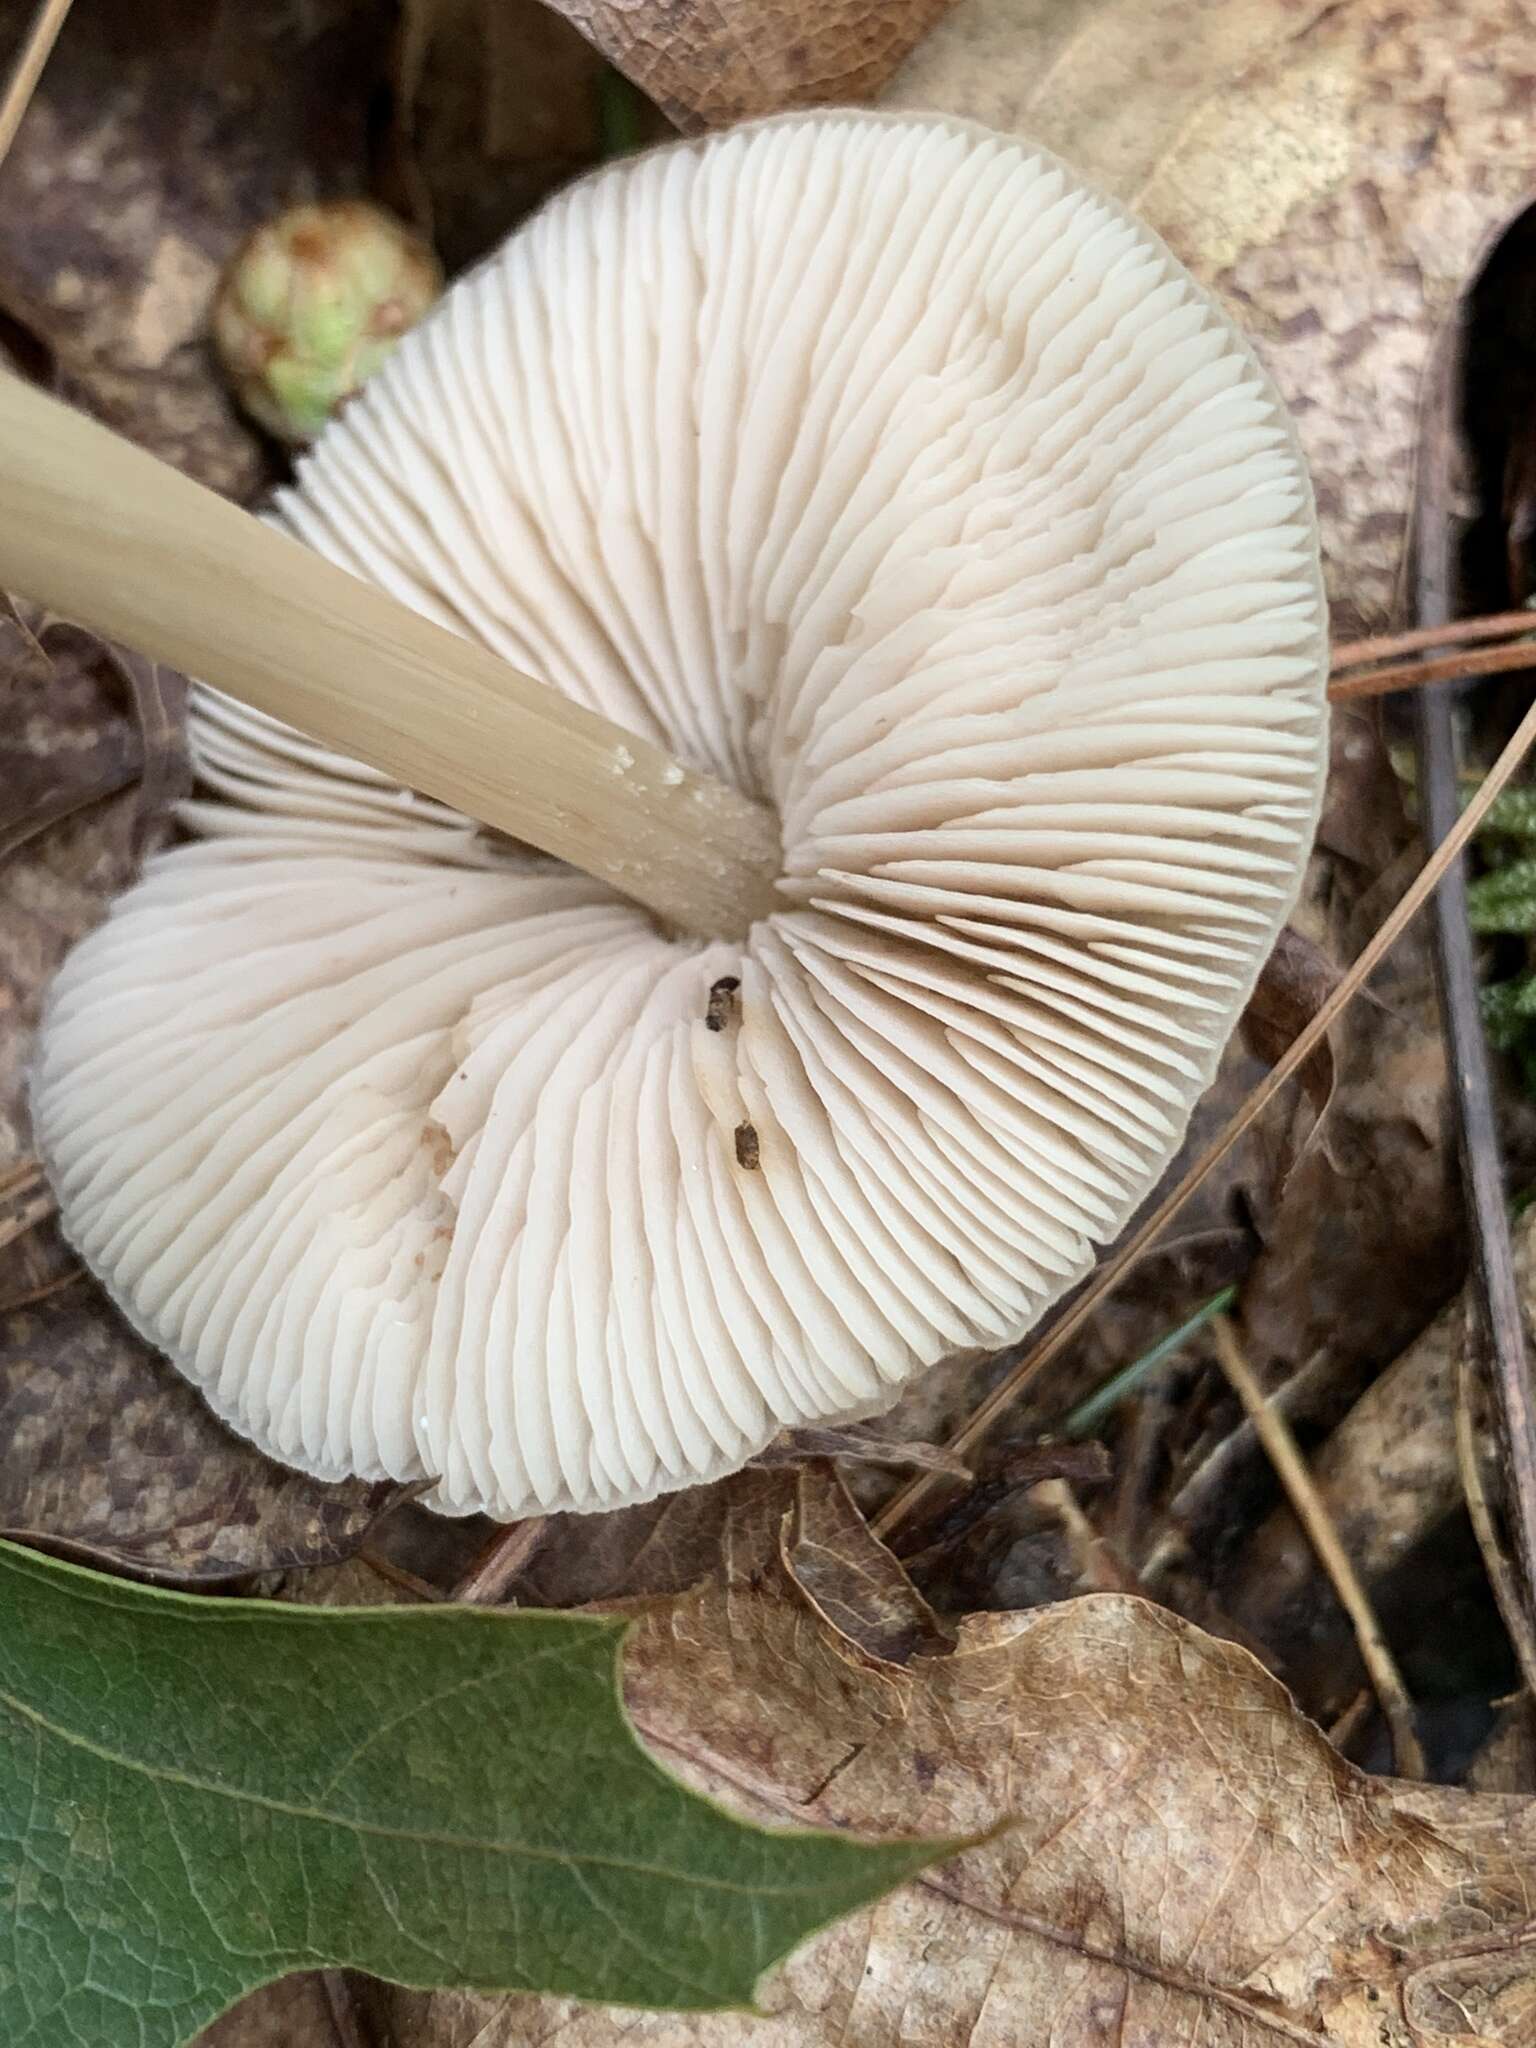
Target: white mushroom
x,y
871,466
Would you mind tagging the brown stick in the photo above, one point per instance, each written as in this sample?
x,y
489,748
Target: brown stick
x,y
28,69
107,535
1274,1433
1296,1056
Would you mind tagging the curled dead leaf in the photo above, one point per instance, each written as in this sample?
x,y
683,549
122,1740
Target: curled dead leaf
x,y
706,64
1296,980
849,1576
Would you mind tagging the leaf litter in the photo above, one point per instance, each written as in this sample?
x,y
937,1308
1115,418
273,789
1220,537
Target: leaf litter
x,y
1332,173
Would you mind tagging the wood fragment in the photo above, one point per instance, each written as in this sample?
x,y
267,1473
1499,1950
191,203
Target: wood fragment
x,y
1109,1275
1274,1434
487,1580
342,2010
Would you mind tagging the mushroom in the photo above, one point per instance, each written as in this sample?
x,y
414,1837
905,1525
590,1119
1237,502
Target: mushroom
x,y
867,464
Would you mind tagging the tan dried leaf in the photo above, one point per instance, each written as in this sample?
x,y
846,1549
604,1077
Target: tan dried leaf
x,y
850,1579
708,62
1294,983
1182,1857
1331,171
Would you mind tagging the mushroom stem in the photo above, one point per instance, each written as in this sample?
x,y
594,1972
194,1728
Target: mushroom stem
x,y
110,536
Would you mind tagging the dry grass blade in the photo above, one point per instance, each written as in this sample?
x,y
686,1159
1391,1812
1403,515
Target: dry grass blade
x,y
28,68
1274,1433
1383,647
1454,668
1302,1047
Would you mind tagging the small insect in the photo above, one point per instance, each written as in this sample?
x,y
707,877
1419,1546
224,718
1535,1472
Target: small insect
x,y
748,1156
723,1006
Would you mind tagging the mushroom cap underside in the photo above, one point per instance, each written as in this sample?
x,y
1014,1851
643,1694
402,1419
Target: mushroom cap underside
x,y
871,465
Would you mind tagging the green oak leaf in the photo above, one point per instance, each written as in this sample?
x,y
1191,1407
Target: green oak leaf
x,y
197,1796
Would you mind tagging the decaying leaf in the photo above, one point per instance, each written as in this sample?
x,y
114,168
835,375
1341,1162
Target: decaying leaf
x,y
706,62
1389,1477
1184,1859
111,1457
160,135
1295,982
849,1576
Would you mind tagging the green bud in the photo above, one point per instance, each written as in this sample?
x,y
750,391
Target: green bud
x,y
312,304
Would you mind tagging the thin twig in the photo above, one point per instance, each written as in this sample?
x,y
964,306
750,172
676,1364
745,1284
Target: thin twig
x,y
397,1576
28,69
1306,1042
44,1292
1499,1294
1274,1433
1343,1730
1455,633
1453,668
500,1561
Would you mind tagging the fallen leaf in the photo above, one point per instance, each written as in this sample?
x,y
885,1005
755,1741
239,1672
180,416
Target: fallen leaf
x,y
849,1576
198,1796
289,2014
1185,1859
1388,1476
707,64
160,135
1294,983
112,1458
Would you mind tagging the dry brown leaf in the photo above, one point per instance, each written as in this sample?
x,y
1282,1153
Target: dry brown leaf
x,y
110,1457
709,62
850,1578
290,2014
1295,982
1330,170
1184,1859
161,134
